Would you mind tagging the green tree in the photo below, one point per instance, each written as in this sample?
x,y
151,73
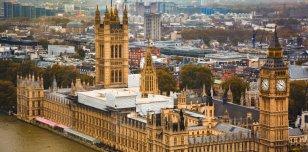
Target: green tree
x,y
44,43
7,95
298,99
237,86
194,77
4,27
178,59
64,75
81,53
166,81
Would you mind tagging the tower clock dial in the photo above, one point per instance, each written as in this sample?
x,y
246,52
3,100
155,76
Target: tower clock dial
x,y
265,84
281,85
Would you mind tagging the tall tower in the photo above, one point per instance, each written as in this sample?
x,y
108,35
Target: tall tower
x,y
111,48
149,83
274,92
30,94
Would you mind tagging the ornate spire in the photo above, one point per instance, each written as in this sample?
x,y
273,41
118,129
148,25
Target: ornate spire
x,y
97,16
116,13
54,86
149,83
275,49
125,15
275,45
148,57
97,10
125,10
203,91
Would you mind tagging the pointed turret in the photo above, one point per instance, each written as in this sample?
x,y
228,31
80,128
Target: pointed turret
x,y
125,15
97,16
275,49
107,14
116,12
148,58
230,95
149,83
203,91
54,86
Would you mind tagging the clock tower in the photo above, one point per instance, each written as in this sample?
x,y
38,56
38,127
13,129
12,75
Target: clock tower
x,y
274,92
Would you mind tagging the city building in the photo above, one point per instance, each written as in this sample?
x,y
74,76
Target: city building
x,y
12,10
57,50
75,27
126,115
111,66
152,26
137,53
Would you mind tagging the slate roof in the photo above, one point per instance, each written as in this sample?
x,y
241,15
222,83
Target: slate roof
x,y
234,110
275,42
295,132
298,72
228,128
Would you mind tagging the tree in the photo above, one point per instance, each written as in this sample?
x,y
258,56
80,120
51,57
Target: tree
x,y
81,53
166,81
64,75
7,95
194,77
44,43
237,86
298,98
178,59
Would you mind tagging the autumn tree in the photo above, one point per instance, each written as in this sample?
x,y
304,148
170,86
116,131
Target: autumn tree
x,y
166,81
194,77
237,86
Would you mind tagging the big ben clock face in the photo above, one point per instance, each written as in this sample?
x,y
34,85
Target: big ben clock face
x,y
265,84
281,85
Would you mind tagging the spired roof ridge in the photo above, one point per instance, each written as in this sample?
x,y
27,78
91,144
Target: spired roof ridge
x,y
274,44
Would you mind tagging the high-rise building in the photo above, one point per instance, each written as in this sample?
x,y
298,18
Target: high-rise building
x,y
16,10
149,83
111,43
274,92
152,26
8,10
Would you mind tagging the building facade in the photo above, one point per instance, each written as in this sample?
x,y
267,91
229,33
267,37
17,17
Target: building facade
x,y
137,53
122,117
12,10
111,48
274,87
152,26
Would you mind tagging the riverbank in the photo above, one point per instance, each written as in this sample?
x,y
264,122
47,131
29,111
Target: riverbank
x,y
18,136
94,147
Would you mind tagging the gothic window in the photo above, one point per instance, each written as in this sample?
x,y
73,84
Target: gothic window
x,y
175,141
116,51
112,75
120,51
112,51
120,75
101,51
116,75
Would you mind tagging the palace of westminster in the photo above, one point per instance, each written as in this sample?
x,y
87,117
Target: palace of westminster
x,y
126,112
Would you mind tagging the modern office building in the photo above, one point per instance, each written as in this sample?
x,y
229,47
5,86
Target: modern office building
x,y
152,26
12,10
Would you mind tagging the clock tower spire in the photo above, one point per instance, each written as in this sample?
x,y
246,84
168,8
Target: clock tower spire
x,y
274,92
